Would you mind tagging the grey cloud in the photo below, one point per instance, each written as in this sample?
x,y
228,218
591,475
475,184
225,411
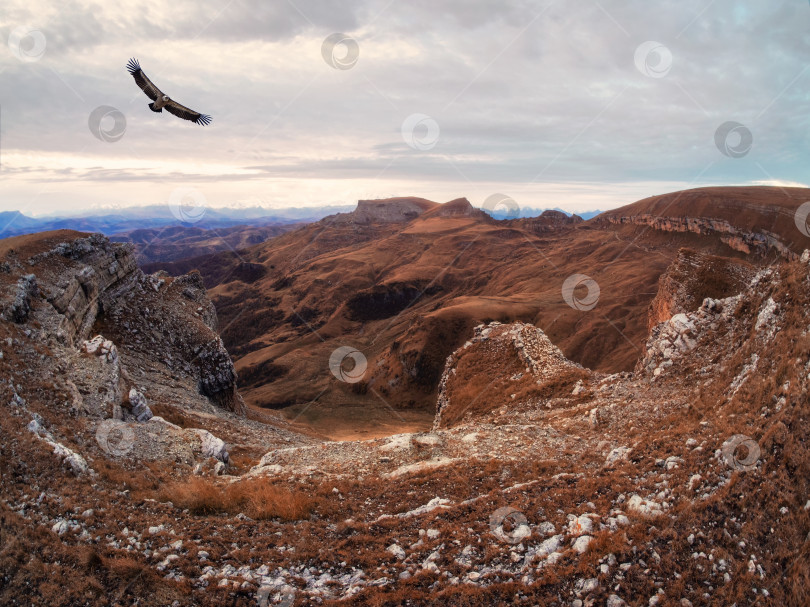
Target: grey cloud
x,y
519,89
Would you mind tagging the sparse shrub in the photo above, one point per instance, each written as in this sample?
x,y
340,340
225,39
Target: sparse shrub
x,y
198,495
266,501
258,498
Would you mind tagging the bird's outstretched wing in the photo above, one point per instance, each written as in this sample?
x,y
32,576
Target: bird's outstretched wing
x,y
142,81
186,114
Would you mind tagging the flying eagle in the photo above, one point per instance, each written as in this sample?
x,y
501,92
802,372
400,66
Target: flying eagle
x,y
160,100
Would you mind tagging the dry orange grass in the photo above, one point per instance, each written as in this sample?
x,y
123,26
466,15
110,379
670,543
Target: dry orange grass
x,y
264,500
197,495
259,499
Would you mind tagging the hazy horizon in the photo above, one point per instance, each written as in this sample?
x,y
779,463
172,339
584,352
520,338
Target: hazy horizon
x,y
248,212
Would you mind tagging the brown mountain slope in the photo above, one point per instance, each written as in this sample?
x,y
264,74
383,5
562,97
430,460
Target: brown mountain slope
x,y
749,217
406,292
768,207
172,243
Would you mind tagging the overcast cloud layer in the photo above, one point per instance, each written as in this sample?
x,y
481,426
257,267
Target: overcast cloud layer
x,y
553,103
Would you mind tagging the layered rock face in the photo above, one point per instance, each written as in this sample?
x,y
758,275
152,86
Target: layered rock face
x,y
75,274
86,286
173,319
94,285
25,290
760,243
691,278
115,343
677,336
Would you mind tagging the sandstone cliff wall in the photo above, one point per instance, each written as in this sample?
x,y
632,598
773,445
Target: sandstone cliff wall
x,y
760,243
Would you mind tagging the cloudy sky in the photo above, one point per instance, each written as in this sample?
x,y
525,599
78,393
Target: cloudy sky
x,y
580,105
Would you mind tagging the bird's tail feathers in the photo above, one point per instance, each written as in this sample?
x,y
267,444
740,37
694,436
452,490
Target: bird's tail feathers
x,y
152,107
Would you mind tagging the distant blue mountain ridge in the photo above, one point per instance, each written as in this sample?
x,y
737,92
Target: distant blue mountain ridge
x,y
533,212
109,222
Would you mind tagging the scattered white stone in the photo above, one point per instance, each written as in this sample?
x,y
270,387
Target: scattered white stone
x,y
552,544
430,562
211,446
766,316
644,507
98,346
434,504
272,469
581,543
430,439
60,527
545,528
581,525
397,442
140,409
585,586
745,372
430,464
616,455
70,458
397,551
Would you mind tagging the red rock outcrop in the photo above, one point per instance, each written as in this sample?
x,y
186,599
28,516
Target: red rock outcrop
x,y
759,243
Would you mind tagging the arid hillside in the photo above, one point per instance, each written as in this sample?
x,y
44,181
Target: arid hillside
x,y
404,284
131,475
170,243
